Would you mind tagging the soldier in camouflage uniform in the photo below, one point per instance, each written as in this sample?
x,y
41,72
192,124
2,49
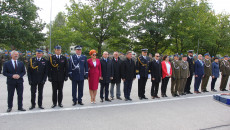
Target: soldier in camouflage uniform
x,y
225,72
27,59
207,72
175,81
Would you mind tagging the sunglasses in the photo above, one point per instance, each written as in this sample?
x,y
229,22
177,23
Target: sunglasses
x,y
157,56
94,54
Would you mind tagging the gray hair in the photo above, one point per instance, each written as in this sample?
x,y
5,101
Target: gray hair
x,y
12,52
105,52
157,54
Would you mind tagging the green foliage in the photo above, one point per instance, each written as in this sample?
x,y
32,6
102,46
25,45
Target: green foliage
x,y
20,26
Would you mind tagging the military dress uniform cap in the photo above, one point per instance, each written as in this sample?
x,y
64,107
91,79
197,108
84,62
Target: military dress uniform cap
x,y
78,47
226,56
207,54
185,55
39,51
58,47
28,51
145,50
190,51
5,51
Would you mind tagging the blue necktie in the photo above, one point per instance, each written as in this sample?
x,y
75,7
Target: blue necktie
x,y
201,62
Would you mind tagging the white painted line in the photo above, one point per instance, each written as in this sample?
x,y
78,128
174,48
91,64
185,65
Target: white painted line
x,y
100,106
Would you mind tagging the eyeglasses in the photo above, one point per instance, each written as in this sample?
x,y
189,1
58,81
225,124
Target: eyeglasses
x,y
157,56
94,54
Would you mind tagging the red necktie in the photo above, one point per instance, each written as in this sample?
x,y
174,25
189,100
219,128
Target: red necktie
x,y
15,64
116,60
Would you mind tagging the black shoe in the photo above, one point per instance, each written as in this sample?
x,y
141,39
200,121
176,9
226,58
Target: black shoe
x,y
225,90
177,95
119,98
102,100
162,95
189,92
107,100
32,107
129,99
53,106
183,94
156,96
74,103
60,105
126,99
140,98
80,103
174,95
112,98
166,95
214,90
22,109
145,97
9,110
41,107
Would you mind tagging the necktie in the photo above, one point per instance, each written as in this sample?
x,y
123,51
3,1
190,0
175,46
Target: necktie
x,y
116,60
15,66
201,62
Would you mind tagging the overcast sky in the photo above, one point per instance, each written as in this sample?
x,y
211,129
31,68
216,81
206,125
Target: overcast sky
x,y
59,6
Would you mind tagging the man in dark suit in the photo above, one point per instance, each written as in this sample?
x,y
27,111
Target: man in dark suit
x,y
128,74
37,75
199,73
78,71
57,74
14,70
142,73
107,76
191,63
116,61
156,74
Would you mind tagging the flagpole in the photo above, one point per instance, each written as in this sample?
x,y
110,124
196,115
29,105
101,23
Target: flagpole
x,y
50,25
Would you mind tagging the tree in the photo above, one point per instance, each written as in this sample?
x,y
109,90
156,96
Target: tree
x,y
20,26
99,21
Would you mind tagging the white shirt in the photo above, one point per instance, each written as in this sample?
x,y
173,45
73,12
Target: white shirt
x,y
13,62
168,67
58,56
78,56
39,59
94,63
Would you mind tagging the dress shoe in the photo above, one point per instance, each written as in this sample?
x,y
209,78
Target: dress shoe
x,y
174,95
60,105
74,103
189,92
9,110
111,98
53,106
225,90
32,107
153,97
162,95
126,99
41,107
102,100
140,98
177,95
119,98
214,90
129,99
107,100
80,103
145,97
22,109
157,97
166,95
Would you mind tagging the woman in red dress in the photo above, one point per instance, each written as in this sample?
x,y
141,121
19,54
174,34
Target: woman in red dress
x,y
94,75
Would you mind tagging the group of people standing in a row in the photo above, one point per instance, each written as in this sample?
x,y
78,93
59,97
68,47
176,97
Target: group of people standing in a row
x,y
108,71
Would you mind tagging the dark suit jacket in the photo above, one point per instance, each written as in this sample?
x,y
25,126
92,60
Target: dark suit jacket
x,y
9,71
191,65
128,69
106,70
155,69
117,70
215,70
199,68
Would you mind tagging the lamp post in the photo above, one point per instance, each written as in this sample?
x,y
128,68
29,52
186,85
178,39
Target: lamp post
x,y
50,25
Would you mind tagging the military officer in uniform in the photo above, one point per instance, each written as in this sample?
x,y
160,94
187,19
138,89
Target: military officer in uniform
x,y
191,63
142,73
184,73
207,72
78,71
225,72
37,75
175,81
57,74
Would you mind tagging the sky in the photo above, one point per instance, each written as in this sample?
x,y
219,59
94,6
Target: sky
x,y
60,6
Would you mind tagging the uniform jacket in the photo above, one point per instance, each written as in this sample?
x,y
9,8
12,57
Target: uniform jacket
x,y
225,68
142,66
184,72
207,67
215,70
78,68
